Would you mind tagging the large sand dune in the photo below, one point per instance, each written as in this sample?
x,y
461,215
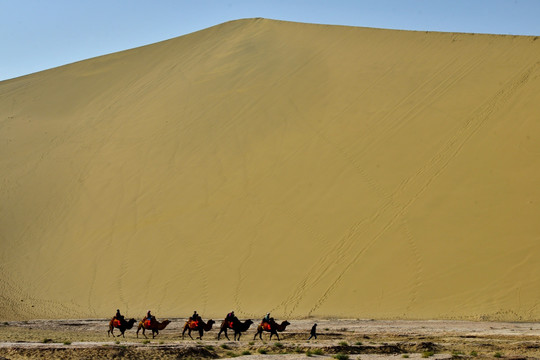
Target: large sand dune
x,y
260,165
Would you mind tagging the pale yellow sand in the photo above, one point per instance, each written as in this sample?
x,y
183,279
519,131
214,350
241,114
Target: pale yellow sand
x,y
260,166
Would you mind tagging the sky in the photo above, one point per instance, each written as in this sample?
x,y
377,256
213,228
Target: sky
x,y
40,34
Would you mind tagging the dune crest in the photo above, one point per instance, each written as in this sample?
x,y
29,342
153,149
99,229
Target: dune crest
x,y
262,165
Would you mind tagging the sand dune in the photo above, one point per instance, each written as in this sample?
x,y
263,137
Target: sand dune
x,y
260,165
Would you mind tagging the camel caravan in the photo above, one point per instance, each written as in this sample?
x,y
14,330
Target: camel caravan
x,y
195,323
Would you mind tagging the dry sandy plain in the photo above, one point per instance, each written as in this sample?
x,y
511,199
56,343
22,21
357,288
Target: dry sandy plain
x,y
312,171
357,339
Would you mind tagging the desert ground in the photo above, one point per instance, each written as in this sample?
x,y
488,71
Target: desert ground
x,y
359,339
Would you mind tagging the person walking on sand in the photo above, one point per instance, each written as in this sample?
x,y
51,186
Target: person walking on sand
x,y
313,332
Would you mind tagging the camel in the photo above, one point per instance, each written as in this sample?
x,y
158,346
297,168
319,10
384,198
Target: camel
x,y
153,325
236,325
121,325
199,326
271,327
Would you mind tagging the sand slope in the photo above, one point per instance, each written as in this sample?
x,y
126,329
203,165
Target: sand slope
x,y
261,165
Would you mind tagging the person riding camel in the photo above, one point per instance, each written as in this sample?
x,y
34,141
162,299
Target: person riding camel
x,y
118,316
195,317
230,318
149,316
265,323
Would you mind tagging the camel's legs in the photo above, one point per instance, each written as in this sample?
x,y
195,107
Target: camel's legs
x,y
224,332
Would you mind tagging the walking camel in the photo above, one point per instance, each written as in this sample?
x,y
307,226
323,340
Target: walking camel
x,y
198,325
236,325
272,327
121,325
153,325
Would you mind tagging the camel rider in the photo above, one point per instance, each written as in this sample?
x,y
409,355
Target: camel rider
x,y
266,319
149,316
230,318
119,316
195,316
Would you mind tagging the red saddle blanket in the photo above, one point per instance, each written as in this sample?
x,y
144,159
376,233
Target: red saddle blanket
x,y
230,324
193,324
266,326
147,323
116,323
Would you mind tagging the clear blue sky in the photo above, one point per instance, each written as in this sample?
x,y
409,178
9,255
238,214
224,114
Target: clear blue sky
x,y
40,34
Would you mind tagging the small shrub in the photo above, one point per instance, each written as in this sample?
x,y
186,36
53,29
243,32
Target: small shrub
x,y
298,350
209,347
427,354
358,343
162,342
6,323
251,343
246,352
309,353
261,351
47,340
146,342
326,329
278,345
225,346
341,357
406,356
343,343
497,355
318,352
474,353
117,342
67,342
232,354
